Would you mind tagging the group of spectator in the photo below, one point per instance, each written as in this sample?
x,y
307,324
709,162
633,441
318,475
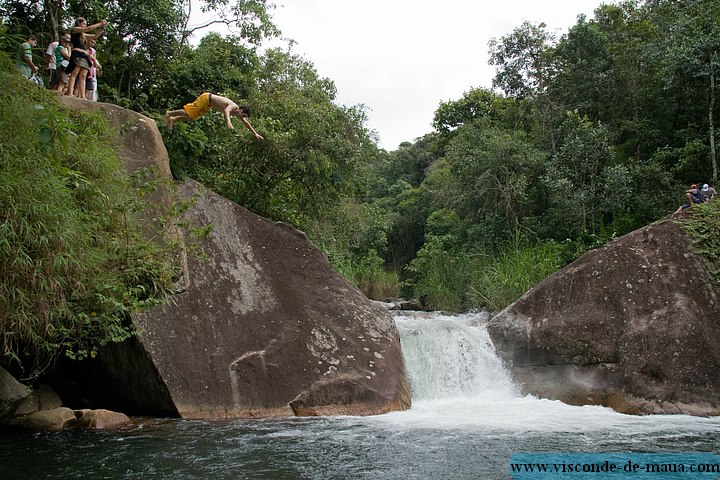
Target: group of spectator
x,y
71,60
697,195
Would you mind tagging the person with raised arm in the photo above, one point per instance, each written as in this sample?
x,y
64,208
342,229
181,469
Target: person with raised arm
x,y
79,60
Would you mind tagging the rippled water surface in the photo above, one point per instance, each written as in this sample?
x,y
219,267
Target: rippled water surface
x,y
467,420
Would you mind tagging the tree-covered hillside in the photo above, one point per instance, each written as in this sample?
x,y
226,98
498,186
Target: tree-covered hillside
x,y
585,136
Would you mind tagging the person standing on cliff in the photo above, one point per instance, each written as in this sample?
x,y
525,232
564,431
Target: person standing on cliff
x,y
79,61
94,72
51,65
62,60
24,60
206,102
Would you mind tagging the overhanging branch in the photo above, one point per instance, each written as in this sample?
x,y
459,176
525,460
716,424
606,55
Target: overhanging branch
x,y
190,31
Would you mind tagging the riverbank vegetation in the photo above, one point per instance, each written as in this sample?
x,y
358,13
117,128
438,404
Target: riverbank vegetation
x,y
586,135
704,229
73,261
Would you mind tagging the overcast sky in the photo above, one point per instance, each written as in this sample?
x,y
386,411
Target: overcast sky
x,y
401,58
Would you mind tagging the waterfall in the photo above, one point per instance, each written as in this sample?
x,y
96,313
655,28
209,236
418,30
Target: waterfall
x,y
457,381
452,356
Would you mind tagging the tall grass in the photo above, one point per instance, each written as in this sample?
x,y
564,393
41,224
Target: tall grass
x,y
373,279
72,261
519,267
703,226
439,276
452,279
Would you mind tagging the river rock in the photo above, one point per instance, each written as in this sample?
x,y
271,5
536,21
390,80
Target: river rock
x,y
634,325
101,419
12,393
44,420
42,398
263,326
401,304
266,327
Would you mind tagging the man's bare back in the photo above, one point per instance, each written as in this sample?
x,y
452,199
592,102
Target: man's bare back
x,y
208,101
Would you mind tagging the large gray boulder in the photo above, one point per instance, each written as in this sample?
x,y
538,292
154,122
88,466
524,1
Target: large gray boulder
x,y
634,325
12,394
265,327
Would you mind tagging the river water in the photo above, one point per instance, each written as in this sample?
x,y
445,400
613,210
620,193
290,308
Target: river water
x,y
466,422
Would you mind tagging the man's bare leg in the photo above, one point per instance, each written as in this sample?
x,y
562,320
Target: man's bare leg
x,y
175,116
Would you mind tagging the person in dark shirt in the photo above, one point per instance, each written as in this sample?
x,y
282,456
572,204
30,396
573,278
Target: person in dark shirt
x,y
79,61
694,196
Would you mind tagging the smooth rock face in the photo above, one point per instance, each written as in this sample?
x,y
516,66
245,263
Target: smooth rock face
x,y
44,420
264,326
267,327
101,419
42,398
634,325
12,393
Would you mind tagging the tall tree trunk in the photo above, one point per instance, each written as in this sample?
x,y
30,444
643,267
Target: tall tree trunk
x,y
711,123
54,10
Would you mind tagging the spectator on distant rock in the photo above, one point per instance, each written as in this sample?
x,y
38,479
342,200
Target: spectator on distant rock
x,y
708,192
694,196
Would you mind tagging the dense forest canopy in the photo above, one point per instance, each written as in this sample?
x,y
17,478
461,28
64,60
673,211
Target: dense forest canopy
x,y
585,136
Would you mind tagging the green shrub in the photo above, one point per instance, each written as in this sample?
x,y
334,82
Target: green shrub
x,y
438,275
73,263
505,278
703,226
370,276
449,278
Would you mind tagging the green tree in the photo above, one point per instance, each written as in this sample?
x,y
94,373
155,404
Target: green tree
x,y
399,188
524,63
408,207
522,60
584,80
312,155
476,104
248,20
692,60
573,180
496,172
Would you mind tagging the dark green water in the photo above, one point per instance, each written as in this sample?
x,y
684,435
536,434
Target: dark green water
x,y
329,448
466,422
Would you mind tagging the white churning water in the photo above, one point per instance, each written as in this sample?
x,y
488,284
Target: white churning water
x,y
458,381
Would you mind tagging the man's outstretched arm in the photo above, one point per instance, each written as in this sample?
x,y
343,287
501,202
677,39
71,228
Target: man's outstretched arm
x,y
250,127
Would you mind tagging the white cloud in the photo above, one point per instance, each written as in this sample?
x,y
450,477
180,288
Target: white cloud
x,y
401,58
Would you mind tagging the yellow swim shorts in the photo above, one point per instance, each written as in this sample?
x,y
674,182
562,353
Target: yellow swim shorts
x,y
199,107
